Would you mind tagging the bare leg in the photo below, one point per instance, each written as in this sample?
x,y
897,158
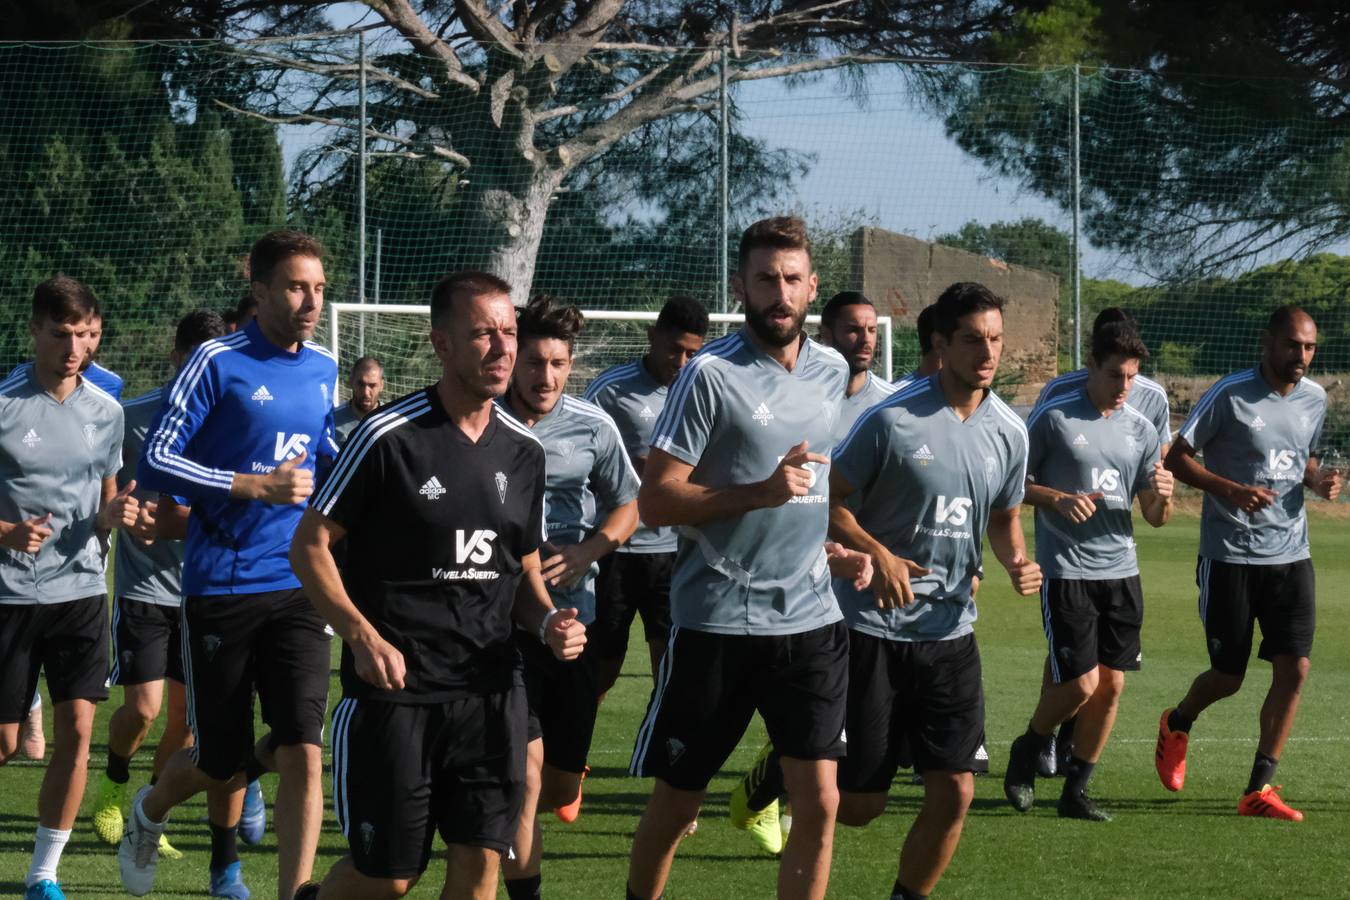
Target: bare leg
x,y
664,822
470,873
1287,675
298,814
857,810
528,847
1098,715
131,721
176,734
1062,701
345,883
812,788
63,782
936,832
9,740
1208,688
180,780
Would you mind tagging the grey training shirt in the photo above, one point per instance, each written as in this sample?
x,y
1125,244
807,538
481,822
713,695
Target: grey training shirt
x,y
345,420
873,391
1250,434
53,459
928,482
1074,448
152,574
633,399
586,475
733,413
1147,396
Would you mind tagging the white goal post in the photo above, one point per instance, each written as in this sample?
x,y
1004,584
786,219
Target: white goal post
x,y
395,333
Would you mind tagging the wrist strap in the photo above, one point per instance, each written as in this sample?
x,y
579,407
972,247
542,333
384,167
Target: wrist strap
x,y
543,626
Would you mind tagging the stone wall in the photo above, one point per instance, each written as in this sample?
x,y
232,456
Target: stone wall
x,y
902,275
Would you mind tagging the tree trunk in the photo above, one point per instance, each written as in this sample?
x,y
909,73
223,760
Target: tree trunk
x,y
507,225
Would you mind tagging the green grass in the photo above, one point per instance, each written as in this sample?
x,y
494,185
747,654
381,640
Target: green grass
x,y
1187,845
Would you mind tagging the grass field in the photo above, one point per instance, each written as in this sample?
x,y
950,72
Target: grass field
x,y
1186,845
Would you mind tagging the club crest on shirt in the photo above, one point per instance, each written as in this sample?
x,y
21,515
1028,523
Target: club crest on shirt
x,y
565,448
500,478
990,470
90,429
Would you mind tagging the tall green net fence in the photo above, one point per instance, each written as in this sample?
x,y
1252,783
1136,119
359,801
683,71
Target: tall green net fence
x,y
147,170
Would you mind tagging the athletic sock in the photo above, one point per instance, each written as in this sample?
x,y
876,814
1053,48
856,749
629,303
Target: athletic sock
x,y
1263,772
1065,735
629,895
525,888
900,892
1039,741
46,855
119,768
770,786
224,845
1076,779
1177,722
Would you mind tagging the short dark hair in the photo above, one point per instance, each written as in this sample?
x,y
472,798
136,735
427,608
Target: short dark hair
x,y
1117,339
924,325
778,233
276,247
544,317
198,327
467,283
960,300
683,314
64,299
1283,315
1113,314
365,362
247,304
829,313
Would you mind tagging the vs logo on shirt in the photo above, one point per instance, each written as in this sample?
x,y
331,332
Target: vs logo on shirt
x,y
1105,479
954,513
289,446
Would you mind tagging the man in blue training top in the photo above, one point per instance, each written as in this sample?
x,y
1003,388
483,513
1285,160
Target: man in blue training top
x,y
244,424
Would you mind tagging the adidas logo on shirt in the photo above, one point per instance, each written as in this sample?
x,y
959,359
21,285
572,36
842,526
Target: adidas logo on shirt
x,y
31,438
1080,441
432,490
262,394
923,453
647,413
1257,424
762,415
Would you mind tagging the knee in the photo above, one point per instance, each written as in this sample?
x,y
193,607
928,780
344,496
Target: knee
x,y
1293,671
299,760
857,810
948,795
1110,686
1226,685
1083,687
394,888
817,801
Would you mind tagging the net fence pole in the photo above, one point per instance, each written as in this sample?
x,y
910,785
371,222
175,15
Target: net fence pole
x,y
724,185
361,185
379,252
1076,271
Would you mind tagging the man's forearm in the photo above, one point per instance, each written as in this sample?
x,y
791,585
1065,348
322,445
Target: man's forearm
x,y
1188,470
1005,536
1039,495
844,529
532,602
682,503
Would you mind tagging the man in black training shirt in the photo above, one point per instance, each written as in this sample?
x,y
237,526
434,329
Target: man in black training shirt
x,y
440,497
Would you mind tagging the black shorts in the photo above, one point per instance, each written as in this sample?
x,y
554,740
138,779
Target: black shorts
x,y
1234,597
563,700
628,584
402,772
69,641
147,642
1091,623
920,697
710,685
233,644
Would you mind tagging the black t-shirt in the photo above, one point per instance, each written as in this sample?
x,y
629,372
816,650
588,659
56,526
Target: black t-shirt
x,y
436,528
